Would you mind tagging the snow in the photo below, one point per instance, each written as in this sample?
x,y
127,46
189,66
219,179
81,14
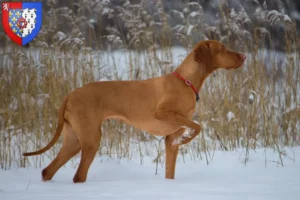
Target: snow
x,y
190,29
230,115
107,10
120,60
251,98
194,14
225,177
286,18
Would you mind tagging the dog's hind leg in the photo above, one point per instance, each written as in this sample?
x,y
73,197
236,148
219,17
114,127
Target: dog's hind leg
x,y
70,148
89,147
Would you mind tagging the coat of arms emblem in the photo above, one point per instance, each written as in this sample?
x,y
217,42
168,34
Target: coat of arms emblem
x,y
22,21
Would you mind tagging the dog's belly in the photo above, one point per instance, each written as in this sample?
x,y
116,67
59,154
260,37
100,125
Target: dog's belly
x,y
150,125
158,128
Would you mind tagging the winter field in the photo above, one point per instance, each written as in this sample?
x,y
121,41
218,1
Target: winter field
x,y
133,167
238,155
226,177
256,106
249,147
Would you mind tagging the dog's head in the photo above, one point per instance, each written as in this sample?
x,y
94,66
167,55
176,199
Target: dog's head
x,y
215,55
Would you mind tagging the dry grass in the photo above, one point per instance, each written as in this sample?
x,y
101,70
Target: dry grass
x,y
256,106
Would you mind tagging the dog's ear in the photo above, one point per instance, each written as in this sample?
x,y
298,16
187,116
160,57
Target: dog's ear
x,y
203,54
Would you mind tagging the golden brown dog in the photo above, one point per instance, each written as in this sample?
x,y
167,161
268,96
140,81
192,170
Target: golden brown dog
x,y
162,106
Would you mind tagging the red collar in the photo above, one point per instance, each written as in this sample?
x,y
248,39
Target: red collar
x,y
189,83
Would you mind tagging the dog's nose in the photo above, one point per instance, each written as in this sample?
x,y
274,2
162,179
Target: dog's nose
x,y
243,56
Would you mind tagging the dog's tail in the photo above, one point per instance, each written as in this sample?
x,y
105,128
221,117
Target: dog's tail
x,y
59,128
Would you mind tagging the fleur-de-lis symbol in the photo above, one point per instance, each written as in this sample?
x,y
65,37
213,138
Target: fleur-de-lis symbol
x,y
18,13
5,6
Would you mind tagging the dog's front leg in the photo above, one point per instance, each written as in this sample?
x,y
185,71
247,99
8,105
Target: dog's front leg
x,y
176,119
171,153
173,141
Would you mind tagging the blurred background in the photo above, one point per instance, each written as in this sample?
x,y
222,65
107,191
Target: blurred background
x,y
256,106
140,23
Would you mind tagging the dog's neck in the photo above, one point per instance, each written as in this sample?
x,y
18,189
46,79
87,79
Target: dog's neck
x,y
194,71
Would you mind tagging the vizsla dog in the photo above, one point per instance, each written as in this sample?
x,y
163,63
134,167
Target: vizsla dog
x,y
161,106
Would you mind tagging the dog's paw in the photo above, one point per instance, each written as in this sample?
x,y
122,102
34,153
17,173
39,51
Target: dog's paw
x,y
188,133
178,141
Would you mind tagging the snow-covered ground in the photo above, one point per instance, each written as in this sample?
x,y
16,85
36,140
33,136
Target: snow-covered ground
x,y
226,177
